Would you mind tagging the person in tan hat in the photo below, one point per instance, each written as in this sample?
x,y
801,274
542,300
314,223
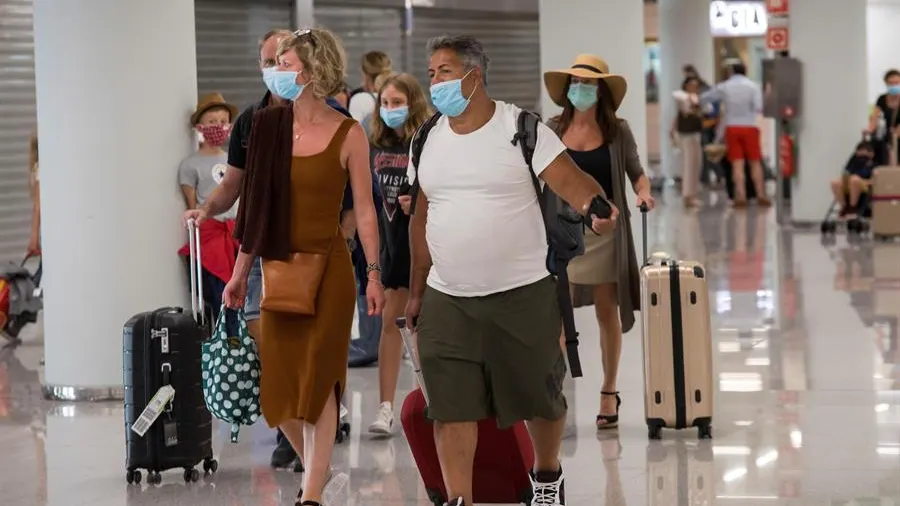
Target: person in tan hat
x,y
201,172
603,146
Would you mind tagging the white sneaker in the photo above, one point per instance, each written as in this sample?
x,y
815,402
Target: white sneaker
x,y
548,493
384,420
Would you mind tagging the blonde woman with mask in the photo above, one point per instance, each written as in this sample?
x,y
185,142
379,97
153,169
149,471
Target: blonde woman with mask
x,y
301,157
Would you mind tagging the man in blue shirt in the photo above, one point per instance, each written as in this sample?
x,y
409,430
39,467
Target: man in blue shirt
x,y
742,99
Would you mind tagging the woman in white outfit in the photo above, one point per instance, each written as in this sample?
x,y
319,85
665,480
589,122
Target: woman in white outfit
x,y
687,131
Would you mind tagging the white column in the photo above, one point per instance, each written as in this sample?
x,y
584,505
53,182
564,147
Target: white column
x,y
303,13
116,83
883,38
611,29
829,38
684,38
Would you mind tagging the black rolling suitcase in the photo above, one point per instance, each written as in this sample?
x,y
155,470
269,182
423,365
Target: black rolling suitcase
x,y
167,425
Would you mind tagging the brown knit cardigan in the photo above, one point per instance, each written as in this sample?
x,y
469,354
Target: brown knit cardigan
x,y
264,215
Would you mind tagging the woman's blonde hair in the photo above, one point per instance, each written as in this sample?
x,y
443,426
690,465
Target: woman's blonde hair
x,y
380,134
323,57
376,64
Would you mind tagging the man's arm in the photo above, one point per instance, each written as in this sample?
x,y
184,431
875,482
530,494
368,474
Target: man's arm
x,y
757,100
571,183
712,95
226,194
420,257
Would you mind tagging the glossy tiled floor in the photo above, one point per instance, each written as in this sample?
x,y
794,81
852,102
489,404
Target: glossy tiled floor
x,y
808,407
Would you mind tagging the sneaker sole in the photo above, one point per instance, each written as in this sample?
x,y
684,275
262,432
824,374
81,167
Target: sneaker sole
x,y
380,431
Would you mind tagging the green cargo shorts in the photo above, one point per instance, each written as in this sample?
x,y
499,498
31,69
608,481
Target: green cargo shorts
x,y
493,356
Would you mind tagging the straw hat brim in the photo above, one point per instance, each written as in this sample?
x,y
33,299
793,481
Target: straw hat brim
x,y
195,118
556,82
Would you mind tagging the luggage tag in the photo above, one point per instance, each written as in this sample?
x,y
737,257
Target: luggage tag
x,y
170,432
154,408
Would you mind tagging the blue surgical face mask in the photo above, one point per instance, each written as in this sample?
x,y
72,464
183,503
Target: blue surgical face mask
x,y
285,84
894,89
268,75
395,117
447,97
582,95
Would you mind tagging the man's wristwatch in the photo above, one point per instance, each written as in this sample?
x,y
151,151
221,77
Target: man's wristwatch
x,y
373,267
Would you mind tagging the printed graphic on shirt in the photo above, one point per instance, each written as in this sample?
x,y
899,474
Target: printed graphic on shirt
x,y
218,172
390,169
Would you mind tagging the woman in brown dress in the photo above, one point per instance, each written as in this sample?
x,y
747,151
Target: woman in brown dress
x,y
300,158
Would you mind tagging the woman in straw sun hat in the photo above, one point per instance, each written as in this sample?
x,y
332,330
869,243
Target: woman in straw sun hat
x,y
603,146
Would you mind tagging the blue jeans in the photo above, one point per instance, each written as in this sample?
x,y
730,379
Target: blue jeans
x,y
254,291
364,351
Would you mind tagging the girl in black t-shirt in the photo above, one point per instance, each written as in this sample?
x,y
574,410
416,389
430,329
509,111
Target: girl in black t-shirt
x,y
402,110
884,123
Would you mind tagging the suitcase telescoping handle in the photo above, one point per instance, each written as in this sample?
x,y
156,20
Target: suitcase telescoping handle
x,y
644,211
410,342
196,268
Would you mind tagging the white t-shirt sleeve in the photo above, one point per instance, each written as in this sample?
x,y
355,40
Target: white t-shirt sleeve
x,y
361,105
548,147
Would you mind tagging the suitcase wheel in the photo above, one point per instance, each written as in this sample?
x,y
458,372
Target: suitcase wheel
x,y
704,431
654,432
133,476
153,478
210,466
191,475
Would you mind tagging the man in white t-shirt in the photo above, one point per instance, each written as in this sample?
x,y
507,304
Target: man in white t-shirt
x,y
483,301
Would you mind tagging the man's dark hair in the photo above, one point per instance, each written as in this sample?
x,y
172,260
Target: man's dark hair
x,y
468,48
739,69
891,73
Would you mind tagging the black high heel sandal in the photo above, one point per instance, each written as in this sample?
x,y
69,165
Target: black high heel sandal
x,y
611,421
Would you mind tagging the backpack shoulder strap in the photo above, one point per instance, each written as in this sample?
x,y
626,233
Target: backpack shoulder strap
x,y
416,147
526,139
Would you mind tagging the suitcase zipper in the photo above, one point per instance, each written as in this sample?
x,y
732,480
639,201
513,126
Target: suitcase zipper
x,y
677,345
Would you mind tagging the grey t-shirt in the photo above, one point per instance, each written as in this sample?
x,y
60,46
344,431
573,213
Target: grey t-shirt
x,y
204,173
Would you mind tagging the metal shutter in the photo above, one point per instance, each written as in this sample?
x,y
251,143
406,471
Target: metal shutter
x,y
510,39
228,33
17,121
362,30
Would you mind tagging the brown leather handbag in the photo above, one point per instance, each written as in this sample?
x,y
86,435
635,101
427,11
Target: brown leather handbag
x,y
292,285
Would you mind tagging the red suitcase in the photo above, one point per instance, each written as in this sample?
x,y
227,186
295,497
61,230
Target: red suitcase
x,y
503,458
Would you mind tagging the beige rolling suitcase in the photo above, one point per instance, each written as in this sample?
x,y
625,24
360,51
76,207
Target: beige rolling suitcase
x,y
677,344
886,202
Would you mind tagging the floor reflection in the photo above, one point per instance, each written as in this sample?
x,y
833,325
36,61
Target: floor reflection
x,y
807,351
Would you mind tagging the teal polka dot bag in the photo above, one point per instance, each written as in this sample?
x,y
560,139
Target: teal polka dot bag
x,y
231,372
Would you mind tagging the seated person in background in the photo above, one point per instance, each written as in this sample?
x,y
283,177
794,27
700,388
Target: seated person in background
x,y
855,180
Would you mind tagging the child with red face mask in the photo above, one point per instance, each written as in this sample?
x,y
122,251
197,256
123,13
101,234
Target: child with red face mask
x,y
201,172
198,175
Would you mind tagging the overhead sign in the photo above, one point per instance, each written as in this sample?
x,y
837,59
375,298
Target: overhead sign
x,y
777,38
778,7
737,19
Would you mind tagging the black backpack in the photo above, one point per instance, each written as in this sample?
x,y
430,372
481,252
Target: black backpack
x,y
564,226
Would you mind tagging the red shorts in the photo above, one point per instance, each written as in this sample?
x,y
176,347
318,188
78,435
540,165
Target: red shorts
x,y
743,143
